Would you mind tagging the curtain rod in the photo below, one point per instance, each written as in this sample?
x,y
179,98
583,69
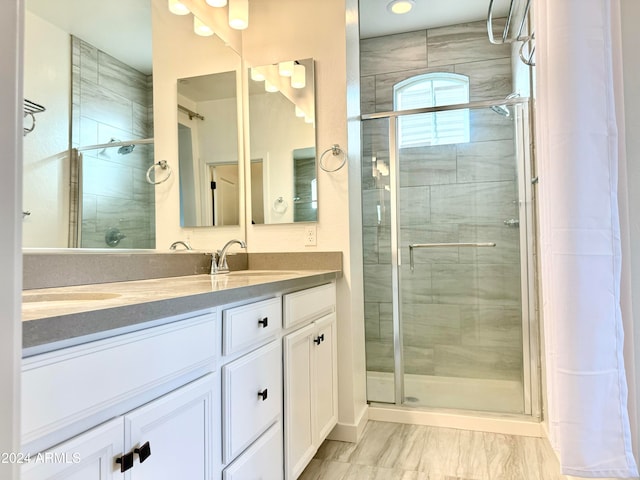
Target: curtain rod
x,y
191,113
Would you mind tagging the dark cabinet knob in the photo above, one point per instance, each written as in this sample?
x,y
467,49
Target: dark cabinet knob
x,y
263,394
125,461
264,322
319,339
143,452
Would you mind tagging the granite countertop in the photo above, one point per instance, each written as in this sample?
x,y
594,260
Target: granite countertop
x,y
63,316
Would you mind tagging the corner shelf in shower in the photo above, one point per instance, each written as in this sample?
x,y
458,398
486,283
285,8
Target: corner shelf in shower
x,y
30,109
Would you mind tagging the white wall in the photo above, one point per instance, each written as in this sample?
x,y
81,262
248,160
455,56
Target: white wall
x,y
47,76
11,22
285,29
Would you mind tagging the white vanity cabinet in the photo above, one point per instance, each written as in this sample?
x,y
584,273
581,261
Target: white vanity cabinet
x,y
153,391
310,370
171,437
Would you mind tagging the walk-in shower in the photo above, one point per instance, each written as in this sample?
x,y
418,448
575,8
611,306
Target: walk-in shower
x,y
447,245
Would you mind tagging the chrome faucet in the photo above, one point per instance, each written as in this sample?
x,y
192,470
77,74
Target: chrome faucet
x,y
174,245
221,266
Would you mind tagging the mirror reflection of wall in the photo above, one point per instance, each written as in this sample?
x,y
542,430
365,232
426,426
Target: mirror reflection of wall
x,y
208,150
282,143
89,64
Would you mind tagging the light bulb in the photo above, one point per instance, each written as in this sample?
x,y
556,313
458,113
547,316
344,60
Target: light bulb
x,y
239,14
298,79
270,87
299,112
308,119
178,8
256,74
400,6
285,68
200,28
216,3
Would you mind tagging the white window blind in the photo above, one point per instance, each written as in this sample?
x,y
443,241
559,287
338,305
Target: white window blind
x,y
432,90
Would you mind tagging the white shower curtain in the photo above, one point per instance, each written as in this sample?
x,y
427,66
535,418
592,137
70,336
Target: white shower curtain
x,y
580,248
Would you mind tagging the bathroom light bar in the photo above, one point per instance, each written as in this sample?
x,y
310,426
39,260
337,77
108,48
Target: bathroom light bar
x,y
201,28
216,3
178,8
286,68
256,74
239,14
298,79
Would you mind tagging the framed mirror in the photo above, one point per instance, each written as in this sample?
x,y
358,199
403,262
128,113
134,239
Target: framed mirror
x,y
282,140
210,180
94,84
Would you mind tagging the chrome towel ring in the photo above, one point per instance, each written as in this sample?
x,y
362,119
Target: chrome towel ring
x,y
335,151
164,166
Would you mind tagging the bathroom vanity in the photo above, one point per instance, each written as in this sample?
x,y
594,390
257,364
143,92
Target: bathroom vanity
x,y
237,376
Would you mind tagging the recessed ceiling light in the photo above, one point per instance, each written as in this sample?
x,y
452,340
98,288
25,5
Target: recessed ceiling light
x,y
400,6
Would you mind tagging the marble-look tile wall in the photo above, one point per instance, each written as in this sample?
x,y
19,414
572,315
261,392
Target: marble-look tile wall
x,y
112,101
460,307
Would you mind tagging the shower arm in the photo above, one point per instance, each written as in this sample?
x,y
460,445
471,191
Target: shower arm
x,y
444,245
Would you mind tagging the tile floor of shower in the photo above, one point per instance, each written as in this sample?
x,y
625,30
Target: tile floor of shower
x,y
394,451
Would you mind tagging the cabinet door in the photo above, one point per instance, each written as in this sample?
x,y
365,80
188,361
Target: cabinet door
x,y
299,445
179,428
89,456
261,461
325,382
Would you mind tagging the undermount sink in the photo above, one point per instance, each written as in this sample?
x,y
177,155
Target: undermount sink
x,y
260,273
67,297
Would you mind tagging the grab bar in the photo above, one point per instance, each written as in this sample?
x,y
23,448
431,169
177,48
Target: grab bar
x,y
443,245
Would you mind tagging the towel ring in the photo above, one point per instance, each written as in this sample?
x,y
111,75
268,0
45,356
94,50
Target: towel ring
x,y
26,130
162,164
280,205
335,151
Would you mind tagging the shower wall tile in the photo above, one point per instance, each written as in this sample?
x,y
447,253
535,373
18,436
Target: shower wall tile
x,y
478,362
88,62
417,286
419,360
386,321
89,213
506,251
372,321
368,94
371,200
414,205
386,81
429,233
491,326
103,105
384,243
377,281
489,202
379,356
107,179
375,140
111,73
141,127
486,161
143,191
486,125
392,53
370,244
463,43
488,80
428,333
428,165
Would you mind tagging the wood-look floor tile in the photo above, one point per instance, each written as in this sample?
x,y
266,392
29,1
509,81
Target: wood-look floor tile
x,y
324,470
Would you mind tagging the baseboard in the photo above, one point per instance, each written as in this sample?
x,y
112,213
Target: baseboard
x,y
507,426
352,433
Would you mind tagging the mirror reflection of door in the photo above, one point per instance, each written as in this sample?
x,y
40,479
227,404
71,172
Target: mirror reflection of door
x,y
305,185
187,151
225,189
257,191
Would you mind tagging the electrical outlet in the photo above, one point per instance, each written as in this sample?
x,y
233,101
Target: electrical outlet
x,y
310,235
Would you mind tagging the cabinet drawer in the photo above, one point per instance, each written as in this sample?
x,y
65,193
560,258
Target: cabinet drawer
x,y
252,397
262,460
76,387
308,305
250,324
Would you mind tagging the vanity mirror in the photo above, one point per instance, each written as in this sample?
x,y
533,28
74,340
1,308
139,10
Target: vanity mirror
x,y
88,64
283,143
208,150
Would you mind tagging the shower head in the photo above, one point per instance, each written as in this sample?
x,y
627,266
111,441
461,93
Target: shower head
x,y
504,110
126,149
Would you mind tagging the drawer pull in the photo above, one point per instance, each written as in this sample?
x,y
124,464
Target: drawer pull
x,y
264,322
263,394
143,452
125,461
319,339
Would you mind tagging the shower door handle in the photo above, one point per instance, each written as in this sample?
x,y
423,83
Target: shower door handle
x,y
412,246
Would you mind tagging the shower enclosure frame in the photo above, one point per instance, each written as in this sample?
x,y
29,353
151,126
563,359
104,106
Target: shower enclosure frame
x,y
523,136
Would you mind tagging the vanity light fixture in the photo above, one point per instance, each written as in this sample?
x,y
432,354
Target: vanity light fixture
x,y
270,87
239,14
285,68
400,6
308,119
178,8
216,3
298,79
299,112
200,28
256,74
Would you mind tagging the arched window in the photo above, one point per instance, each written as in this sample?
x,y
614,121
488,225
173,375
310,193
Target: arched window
x,y
432,90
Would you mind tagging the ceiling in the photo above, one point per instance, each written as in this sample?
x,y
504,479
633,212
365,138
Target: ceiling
x,y
376,20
